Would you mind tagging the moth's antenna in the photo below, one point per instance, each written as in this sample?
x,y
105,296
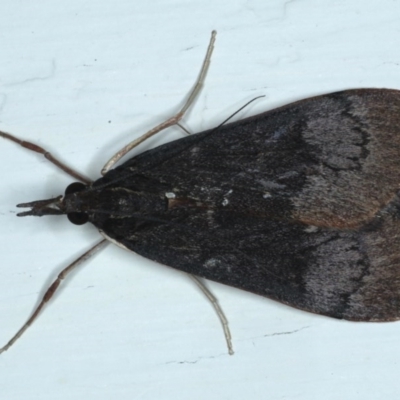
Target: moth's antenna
x,y
170,121
237,111
226,120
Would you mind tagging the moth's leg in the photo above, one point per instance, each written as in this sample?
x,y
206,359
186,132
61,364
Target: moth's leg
x,y
217,309
52,289
46,154
170,121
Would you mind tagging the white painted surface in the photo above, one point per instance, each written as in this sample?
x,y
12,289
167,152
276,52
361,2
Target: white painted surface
x,y
83,78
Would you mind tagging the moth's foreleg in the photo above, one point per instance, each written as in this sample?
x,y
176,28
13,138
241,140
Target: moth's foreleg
x,y
52,289
37,149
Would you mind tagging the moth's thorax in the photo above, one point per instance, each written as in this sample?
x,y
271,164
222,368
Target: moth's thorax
x,y
113,201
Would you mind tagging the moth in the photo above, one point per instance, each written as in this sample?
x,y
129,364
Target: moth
x,y
299,204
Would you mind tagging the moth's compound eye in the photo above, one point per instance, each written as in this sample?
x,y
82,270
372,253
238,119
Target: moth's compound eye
x,y
78,218
74,188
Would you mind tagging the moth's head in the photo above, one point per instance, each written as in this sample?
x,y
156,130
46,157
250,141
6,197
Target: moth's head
x,y
57,206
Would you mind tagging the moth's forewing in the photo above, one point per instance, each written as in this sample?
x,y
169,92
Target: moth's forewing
x,y
298,204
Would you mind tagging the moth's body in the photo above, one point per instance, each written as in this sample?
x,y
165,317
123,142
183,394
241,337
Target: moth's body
x,y
299,204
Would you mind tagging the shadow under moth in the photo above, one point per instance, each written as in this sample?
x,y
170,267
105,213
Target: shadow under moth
x,y
299,204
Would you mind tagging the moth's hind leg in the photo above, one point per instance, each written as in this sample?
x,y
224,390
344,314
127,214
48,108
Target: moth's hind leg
x,y
37,149
170,121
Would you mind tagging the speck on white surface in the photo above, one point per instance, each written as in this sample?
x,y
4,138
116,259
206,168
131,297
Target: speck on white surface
x,y
84,78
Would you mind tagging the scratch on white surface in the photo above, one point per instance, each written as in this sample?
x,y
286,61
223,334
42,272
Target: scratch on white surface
x,y
286,332
44,77
197,360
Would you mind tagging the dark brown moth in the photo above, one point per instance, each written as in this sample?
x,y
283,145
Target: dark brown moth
x,y
299,204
